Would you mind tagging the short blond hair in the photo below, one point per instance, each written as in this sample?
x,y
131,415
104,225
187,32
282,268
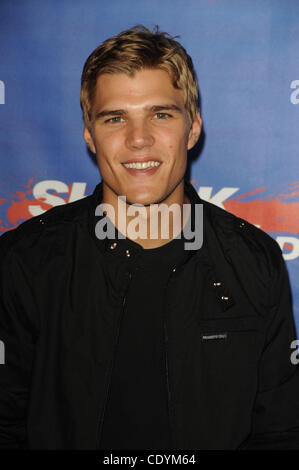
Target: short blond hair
x,y
135,49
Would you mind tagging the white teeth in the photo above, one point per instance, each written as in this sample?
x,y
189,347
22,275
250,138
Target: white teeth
x,y
141,165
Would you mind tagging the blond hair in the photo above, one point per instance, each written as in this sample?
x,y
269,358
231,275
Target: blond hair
x,y
135,49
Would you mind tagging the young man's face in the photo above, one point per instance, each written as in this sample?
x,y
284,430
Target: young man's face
x,y
139,120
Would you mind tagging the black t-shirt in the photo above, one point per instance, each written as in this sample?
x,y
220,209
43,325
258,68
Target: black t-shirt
x,y
136,415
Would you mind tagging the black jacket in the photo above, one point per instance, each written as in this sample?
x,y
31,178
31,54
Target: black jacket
x,y
228,331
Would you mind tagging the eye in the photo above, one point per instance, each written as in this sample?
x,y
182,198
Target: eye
x,y
163,115
114,119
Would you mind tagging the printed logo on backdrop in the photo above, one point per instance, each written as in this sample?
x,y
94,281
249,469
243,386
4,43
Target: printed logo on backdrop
x,y
273,209
35,198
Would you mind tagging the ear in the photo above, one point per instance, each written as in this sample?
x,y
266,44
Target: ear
x,y
88,139
195,130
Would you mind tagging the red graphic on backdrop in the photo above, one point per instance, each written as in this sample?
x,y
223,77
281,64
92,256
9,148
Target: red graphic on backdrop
x,y
274,209
18,210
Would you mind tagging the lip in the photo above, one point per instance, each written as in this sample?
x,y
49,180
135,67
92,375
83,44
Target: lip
x,y
151,170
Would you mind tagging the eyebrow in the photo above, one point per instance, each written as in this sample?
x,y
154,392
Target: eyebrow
x,y
122,112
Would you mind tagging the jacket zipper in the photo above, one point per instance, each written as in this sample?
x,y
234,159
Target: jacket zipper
x,y
100,426
171,420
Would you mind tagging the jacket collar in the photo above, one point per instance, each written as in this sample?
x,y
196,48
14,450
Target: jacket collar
x,y
211,255
126,247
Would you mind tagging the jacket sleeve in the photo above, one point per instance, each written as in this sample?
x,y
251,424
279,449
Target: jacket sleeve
x,y
275,417
17,350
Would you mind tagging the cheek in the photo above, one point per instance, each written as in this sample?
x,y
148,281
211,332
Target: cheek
x,y
107,145
178,148
178,138
174,142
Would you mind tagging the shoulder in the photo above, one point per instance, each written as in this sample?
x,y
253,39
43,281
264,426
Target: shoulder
x,y
35,232
245,244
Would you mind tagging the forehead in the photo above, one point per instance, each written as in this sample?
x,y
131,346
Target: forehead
x,y
145,87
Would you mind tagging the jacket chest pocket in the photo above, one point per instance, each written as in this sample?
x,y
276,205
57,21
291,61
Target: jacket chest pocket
x,y
230,344
229,325
224,370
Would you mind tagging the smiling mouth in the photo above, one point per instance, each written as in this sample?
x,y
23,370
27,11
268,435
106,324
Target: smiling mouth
x,y
142,165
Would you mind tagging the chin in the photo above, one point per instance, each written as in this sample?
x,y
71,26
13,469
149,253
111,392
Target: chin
x,y
145,200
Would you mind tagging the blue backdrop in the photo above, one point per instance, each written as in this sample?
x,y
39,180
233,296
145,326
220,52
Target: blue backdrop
x,y
246,54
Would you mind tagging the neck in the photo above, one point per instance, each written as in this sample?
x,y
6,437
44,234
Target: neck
x,y
153,225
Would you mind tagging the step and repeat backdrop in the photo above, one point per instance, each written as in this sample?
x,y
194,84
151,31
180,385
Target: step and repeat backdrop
x,y
246,55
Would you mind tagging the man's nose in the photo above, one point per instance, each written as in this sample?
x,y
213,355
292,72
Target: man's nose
x,y
139,135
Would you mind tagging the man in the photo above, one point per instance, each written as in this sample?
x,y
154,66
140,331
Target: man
x,y
135,342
